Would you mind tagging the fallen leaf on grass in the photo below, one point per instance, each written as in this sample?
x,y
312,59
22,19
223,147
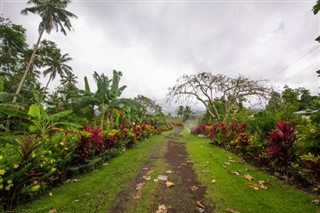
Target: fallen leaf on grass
x,y
258,186
213,181
248,177
316,201
226,163
52,211
254,186
200,205
231,210
169,184
72,180
261,185
162,209
105,164
155,180
204,171
169,172
234,172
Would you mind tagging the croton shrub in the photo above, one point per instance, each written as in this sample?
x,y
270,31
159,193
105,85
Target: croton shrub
x,y
283,151
30,165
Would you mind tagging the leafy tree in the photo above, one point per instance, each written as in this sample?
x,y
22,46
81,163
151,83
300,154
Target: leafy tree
x,y
12,45
184,112
275,102
290,96
55,62
54,15
207,87
105,98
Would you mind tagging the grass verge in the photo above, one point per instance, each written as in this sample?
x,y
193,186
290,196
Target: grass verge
x,y
95,191
231,189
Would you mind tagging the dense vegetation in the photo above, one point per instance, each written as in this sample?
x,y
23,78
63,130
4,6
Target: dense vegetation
x,y
48,137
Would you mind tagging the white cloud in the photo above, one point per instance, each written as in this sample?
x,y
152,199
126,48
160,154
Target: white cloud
x,y
154,43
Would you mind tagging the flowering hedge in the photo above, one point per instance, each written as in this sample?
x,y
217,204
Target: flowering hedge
x,y
278,151
31,165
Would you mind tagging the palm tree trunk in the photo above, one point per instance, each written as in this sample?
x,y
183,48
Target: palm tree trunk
x,y
27,68
45,89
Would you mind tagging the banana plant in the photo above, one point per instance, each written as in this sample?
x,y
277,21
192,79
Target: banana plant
x,y
40,121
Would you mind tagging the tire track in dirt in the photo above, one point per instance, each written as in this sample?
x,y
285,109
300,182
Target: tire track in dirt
x,y
122,202
187,195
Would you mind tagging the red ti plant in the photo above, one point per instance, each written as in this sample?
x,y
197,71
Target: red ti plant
x,y
96,139
280,150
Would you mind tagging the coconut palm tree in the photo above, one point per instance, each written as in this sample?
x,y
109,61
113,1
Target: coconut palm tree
x,y
57,65
54,16
69,79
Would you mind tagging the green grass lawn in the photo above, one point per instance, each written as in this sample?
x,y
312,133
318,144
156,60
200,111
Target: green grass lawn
x,y
232,191
95,191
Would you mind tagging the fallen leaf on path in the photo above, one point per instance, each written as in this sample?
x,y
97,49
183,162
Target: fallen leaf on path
x,y
213,181
163,177
248,177
254,186
52,211
231,210
162,209
200,209
139,187
169,184
146,178
200,205
194,188
149,172
316,201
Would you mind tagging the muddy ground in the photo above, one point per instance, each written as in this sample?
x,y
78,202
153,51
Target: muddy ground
x,y
186,195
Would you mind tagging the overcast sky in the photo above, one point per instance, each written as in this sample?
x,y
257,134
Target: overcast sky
x,y
155,42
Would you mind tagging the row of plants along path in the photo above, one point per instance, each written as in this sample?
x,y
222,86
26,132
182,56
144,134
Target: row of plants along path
x,y
278,154
34,164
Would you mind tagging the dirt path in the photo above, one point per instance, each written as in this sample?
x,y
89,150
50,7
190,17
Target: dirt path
x,y
186,195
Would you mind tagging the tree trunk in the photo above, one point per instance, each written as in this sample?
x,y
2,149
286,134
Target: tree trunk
x,y
27,68
45,89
